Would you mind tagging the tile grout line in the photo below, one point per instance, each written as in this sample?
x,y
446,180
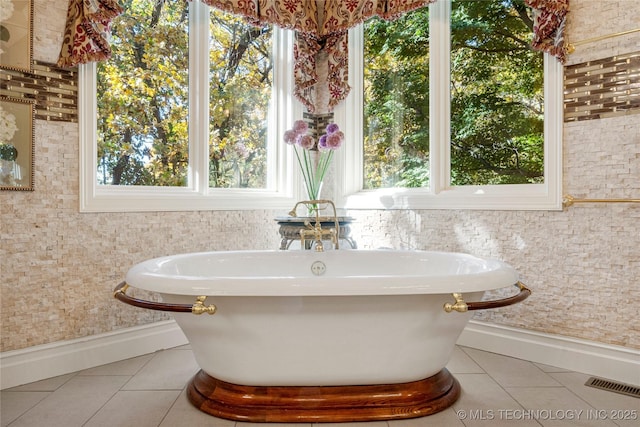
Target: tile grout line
x,y
103,405
502,387
173,405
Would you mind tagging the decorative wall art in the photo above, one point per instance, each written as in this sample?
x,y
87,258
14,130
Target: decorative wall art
x,y
16,144
16,41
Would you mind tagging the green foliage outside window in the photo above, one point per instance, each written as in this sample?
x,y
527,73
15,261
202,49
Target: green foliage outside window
x,y
497,115
240,80
496,98
143,98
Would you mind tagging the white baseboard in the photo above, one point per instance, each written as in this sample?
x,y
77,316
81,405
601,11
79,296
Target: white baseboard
x,y
39,362
601,360
49,360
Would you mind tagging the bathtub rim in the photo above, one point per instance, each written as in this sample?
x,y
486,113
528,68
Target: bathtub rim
x,y
147,275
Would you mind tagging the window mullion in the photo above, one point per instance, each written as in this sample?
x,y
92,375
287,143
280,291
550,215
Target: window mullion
x,y
88,128
440,97
553,106
349,115
199,97
282,112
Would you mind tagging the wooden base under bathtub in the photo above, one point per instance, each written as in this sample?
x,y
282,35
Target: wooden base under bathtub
x,y
319,404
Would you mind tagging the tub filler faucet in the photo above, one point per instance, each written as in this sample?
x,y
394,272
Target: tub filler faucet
x,y
315,232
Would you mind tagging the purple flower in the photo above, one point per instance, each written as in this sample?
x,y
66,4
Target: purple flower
x,y
334,140
290,137
313,164
331,128
322,143
300,127
306,142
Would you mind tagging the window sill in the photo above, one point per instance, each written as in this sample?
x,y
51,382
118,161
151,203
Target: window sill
x,y
156,199
503,197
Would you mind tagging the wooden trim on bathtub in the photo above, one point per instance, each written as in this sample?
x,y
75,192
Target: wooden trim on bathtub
x,y
485,305
119,293
197,308
320,404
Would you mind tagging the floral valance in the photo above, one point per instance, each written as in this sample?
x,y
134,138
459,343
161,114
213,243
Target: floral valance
x,y
86,36
548,26
321,27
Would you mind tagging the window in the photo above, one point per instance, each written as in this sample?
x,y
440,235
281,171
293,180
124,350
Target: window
x,y
454,111
152,141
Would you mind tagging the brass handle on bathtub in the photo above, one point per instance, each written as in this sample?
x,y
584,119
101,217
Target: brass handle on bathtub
x,y
461,306
198,307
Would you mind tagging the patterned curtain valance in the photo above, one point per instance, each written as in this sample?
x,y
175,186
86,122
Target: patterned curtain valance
x,y
549,19
301,16
86,36
320,25
319,18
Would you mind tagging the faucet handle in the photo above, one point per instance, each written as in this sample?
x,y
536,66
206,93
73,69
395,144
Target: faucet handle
x,y
316,230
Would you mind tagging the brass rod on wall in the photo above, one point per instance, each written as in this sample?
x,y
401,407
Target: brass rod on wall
x,y
571,47
569,200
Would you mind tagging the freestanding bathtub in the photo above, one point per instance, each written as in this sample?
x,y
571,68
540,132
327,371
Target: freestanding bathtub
x,y
303,336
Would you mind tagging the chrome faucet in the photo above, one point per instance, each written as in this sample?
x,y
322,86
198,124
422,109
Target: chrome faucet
x,y
315,231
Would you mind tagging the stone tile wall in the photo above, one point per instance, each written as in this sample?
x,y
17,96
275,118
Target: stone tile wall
x,y
58,266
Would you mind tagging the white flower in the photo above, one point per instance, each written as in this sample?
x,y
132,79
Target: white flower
x,y
7,125
6,9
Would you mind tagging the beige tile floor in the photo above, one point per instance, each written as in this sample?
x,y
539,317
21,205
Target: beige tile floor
x,y
150,391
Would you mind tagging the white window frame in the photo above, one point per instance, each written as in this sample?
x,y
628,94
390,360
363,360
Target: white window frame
x,y
441,194
281,186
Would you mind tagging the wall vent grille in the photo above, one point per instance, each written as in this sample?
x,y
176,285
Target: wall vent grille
x,y
615,387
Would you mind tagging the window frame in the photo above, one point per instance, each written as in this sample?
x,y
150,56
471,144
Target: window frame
x,y
281,188
441,194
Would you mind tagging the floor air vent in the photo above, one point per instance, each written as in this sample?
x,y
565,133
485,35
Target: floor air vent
x,y
615,387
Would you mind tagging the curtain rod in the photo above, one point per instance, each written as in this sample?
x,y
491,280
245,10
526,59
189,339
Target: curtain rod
x,y
569,200
571,47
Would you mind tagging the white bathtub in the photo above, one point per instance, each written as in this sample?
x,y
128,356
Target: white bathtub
x,y
338,318
373,317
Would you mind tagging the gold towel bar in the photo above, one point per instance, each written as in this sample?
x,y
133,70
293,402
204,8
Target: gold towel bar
x,y
571,47
569,200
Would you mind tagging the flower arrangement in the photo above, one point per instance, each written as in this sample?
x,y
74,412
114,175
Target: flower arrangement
x,y
304,145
